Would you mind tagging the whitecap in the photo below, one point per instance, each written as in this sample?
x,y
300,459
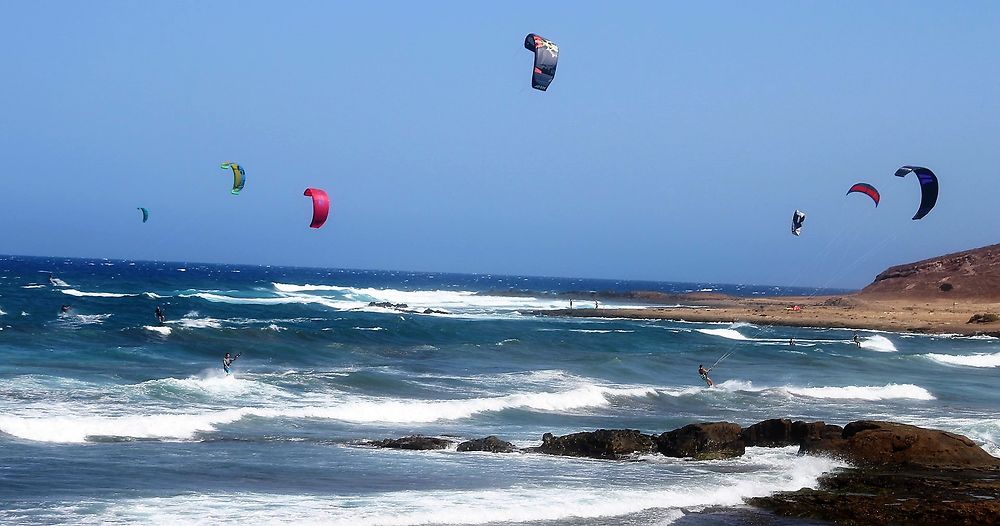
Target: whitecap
x,y
972,360
77,293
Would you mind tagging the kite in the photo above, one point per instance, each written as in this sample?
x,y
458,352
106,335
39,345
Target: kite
x,y
546,58
928,187
867,189
239,176
321,206
145,214
797,219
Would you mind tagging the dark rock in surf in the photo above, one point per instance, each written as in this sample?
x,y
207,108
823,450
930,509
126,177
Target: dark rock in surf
x,y
782,432
603,443
775,432
415,442
874,443
490,444
705,441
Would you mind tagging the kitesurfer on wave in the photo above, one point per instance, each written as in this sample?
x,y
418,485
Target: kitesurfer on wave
x,y
703,373
227,362
160,317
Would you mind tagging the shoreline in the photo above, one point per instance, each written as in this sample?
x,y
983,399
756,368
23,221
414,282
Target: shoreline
x,y
828,312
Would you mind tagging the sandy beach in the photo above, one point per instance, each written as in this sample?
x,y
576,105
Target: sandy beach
x,y
850,311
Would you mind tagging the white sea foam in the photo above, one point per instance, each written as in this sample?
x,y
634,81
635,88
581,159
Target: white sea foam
x,y
153,295
77,293
849,392
193,322
275,328
878,343
59,283
368,328
33,286
285,287
869,392
450,300
74,320
971,360
730,334
165,331
776,470
74,427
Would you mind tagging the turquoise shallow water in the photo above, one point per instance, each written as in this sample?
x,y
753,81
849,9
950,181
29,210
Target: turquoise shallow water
x,y
108,417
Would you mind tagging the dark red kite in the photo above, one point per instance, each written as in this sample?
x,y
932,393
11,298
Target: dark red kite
x,y
866,189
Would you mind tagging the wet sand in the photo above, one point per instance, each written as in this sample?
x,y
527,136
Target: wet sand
x,y
851,311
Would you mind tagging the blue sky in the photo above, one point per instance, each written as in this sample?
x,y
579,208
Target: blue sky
x,y
674,143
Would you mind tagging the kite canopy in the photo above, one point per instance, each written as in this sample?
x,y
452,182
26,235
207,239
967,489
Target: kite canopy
x,y
546,58
797,219
239,176
928,187
866,189
145,214
321,206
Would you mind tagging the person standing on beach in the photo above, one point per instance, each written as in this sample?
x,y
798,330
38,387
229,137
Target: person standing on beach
x,y
703,373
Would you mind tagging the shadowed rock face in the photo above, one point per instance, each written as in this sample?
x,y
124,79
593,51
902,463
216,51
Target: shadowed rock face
x,y
880,497
416,442
706,441
489,444
603,443
907,475
969,274
873,443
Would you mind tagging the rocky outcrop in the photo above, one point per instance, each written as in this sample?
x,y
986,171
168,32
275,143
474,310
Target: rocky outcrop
x,y
417,442
879,497
706,441
874,443
984,318
489,444
904,475
969,274
603,443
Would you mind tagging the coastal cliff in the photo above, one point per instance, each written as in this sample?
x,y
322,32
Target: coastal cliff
x,y
971,274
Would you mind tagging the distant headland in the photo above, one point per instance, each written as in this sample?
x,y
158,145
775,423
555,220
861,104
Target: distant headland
x,y
955,293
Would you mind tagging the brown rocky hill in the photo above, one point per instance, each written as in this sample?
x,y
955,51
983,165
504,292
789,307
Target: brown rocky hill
x,y
972,274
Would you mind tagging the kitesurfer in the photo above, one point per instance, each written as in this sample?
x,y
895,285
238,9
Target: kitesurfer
x,y
857,340
703,373
160,317
227,362
64,309
791,342
52,281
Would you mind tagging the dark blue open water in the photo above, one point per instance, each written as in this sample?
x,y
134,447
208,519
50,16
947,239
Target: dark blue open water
x,y
107,417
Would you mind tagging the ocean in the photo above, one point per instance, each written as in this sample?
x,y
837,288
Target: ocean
x,y
107,417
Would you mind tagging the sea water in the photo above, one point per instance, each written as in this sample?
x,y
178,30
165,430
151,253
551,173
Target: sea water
x,y
106,416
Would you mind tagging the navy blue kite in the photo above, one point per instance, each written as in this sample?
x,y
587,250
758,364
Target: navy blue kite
x,y
928,187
